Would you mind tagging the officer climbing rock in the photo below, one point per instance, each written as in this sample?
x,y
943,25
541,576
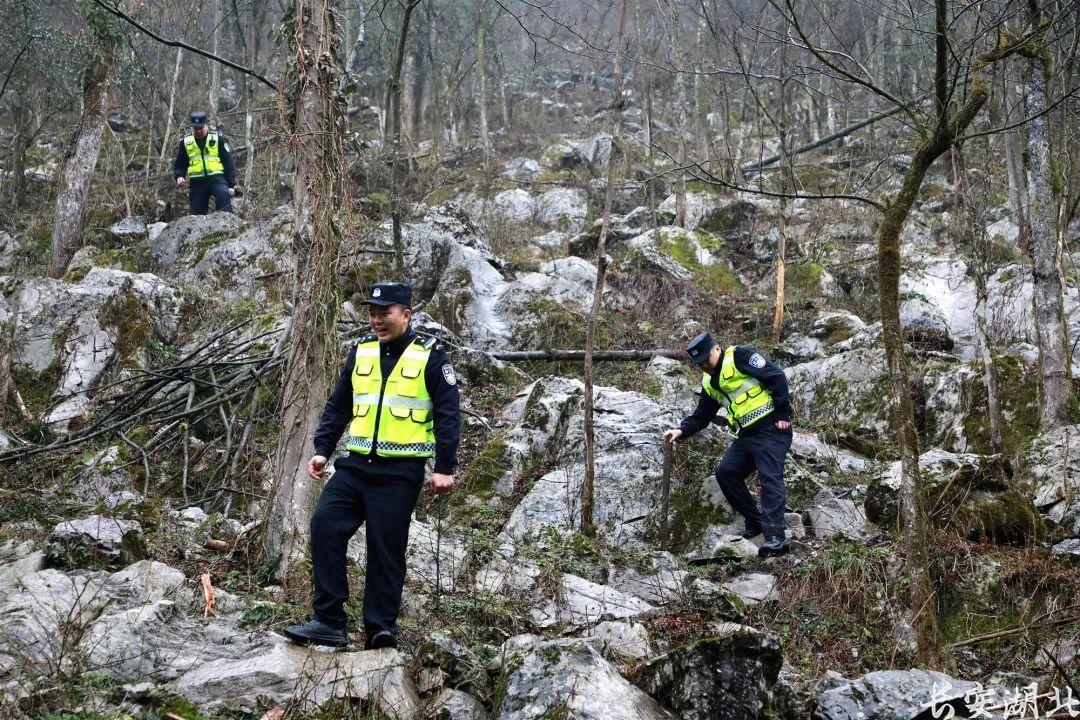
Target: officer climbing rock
x,y
397,399
752,393
204,161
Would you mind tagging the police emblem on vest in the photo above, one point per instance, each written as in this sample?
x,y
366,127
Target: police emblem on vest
x,y
742,398
204,161
392,414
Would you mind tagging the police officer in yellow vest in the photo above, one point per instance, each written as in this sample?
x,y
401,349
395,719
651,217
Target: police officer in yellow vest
x,y
751,393
205,163
397,403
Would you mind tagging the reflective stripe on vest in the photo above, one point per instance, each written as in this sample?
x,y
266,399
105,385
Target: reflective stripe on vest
x,y
399,412
206,160
743,399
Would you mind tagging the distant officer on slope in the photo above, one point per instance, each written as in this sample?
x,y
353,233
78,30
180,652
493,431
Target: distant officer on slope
x,y
752,393
205,163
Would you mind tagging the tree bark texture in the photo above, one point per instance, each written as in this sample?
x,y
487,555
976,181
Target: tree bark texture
x,y
78,167
1055,385
315,138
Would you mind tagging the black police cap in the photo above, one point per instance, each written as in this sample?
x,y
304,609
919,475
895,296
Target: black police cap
x,y
198,119
700,347
390,294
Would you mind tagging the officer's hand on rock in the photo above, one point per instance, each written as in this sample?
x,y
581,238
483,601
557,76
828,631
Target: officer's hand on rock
x,y
671,436
783,424
180,181
441,483
232,191
316,466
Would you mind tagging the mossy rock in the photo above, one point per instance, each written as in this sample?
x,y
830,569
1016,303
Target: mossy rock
x,y
804,278
482,474
1019,407
1006,519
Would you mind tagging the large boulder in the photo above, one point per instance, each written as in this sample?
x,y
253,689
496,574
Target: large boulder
x,y
892,695
847,392
595,151
571,602
574,682
284,673
182,243
512,206
562,209
147,620
70,334
522,169
96,540
684,255
1052,477
545,422
728,676
236,268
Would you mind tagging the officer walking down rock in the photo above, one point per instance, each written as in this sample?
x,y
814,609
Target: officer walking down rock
x,y
752,394
397,400
205,163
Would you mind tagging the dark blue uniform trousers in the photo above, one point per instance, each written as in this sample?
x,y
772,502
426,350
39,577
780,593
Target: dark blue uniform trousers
x,y
200,190
385,503
764,451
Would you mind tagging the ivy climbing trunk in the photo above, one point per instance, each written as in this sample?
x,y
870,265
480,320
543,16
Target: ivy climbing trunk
x,y
82,156
313,115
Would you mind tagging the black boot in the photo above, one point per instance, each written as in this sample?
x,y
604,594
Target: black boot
x,y
316,632
774,547
382,639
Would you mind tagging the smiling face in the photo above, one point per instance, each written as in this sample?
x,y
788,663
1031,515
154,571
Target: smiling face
x,y
389,321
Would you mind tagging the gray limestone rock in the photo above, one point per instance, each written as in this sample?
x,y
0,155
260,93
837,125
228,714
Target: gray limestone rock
x,y
522,169
181,243
890,695
454,704
728,676
1053,476
575,683
562,209
95,540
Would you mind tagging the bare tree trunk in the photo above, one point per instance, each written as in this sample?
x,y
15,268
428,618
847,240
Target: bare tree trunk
x,y
78,169
974,240
394,96
588,485
24,121
481,82
1014,160
215,67
166,143
316,139
1055,384
680,126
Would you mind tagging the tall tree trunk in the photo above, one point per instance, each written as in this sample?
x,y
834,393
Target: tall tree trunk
x,y
394,95
680,125
1014,159
481,82
82,157
168,141
24,121
312,343
588,485
1055,384
215,67
974,240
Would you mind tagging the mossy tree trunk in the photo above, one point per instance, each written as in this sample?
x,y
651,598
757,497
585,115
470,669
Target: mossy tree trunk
x,y
922,601
314,127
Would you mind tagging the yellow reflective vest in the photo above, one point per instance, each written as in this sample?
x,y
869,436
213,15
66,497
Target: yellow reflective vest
x,y
204,161
741,396
393,414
